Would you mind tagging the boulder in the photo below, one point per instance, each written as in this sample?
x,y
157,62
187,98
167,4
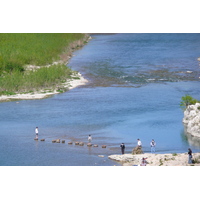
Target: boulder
x,y
137,150
35,138
103,146
76,143
70,142
42,140
63,141
57,140
53,141
95,145
81,143
89,144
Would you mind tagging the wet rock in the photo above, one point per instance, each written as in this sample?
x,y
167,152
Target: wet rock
x,y
42,140
57,140
35,138
89,144
70,142
53,141
81,143
95,145
63,141
76,143
103,146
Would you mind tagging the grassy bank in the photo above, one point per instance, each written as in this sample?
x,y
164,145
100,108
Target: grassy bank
x,y
18,50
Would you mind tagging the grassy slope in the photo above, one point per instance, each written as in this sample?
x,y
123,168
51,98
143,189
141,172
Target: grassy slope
x,y
20,49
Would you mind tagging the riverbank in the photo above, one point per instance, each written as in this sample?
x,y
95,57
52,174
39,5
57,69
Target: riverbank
x,y
180,159
69,84
66,80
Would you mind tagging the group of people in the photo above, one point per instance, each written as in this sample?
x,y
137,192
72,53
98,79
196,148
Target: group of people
x,y
139,144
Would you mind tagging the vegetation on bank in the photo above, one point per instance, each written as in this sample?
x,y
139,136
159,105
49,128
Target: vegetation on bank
x,y
17,50
188,100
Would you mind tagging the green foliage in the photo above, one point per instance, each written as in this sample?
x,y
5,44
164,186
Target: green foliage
x,y
44,77
19,49
187,100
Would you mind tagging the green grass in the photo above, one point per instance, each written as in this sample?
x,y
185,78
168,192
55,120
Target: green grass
x,y
42,78
20,49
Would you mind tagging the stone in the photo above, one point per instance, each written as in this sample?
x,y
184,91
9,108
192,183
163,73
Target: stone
x,y
95,145
57,140
70,142
137,150
35,138
81,144
53,141
63,141
89,144
103,146
76,143
42,140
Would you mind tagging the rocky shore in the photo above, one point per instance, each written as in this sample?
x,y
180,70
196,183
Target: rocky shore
x,y
174,159
191,120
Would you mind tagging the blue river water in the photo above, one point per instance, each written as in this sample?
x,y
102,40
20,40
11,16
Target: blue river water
x,y
135,86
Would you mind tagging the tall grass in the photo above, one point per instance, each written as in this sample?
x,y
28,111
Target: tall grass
x,y
20,49
50,77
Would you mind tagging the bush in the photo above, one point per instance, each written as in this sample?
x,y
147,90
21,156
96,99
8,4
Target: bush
x,y
187,100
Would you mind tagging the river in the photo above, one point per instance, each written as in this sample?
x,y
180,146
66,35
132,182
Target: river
x,y
136,82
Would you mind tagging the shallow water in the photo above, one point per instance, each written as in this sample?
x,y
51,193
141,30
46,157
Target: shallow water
x,y
136,85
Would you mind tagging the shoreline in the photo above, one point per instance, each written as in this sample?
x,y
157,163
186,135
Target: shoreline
x,y
175,159
69,84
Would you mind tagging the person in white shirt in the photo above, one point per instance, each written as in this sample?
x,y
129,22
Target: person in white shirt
x,y
36,133
153,145
139,143
89,138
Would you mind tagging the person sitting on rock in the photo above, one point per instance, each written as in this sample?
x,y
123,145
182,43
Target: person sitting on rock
x,y
143,162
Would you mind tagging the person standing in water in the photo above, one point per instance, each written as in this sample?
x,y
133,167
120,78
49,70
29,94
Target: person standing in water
x,y
89,138
36,133
122,147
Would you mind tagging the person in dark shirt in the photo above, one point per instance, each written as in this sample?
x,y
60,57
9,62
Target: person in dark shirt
x,y
122,147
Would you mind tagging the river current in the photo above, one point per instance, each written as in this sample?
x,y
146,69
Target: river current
x,y
135,86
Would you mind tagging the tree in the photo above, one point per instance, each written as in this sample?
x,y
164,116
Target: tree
x,y
187,100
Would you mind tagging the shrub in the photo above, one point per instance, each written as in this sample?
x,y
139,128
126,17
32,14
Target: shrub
x,y
187,100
